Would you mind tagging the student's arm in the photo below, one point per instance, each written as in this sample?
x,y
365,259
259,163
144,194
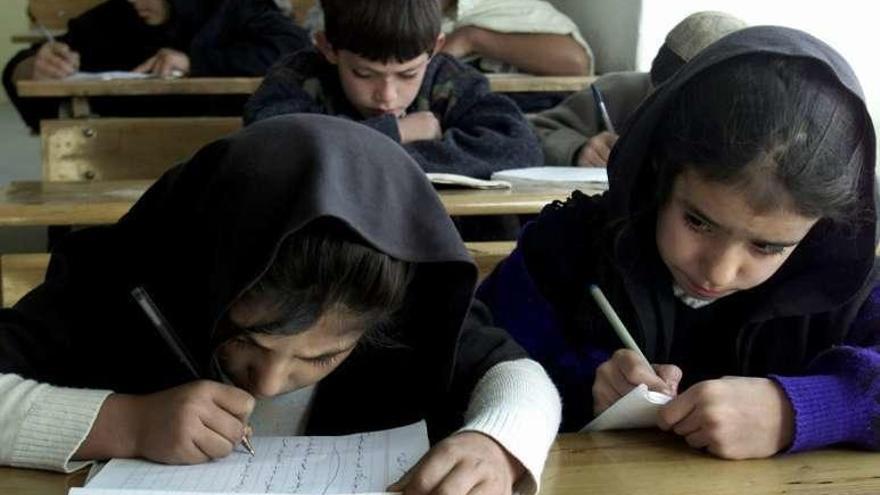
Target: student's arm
x,y
483,132
564,129
244,38
282,91
42,426
836,402
536,53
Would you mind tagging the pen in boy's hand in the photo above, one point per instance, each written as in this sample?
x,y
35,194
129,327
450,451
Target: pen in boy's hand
x,y
616,323
46,33
603,109
167,333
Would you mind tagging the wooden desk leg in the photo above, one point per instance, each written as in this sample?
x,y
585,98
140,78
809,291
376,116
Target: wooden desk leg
x,y
79,107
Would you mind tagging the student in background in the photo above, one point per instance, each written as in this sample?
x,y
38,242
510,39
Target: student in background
x,y
506,36
378,64
161,37
737,243
572,133
305,263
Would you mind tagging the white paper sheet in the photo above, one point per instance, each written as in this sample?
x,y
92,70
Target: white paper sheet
x,y
637,409
553,175
360,463
107,76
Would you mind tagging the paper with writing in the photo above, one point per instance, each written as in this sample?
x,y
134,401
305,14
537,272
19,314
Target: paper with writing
x,y
637,409
360,463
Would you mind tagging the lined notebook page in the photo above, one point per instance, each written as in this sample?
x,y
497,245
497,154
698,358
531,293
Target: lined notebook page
x,y
360,463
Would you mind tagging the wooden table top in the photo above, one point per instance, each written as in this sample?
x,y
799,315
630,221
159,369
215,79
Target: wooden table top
x,y
510,83
631,462
35,203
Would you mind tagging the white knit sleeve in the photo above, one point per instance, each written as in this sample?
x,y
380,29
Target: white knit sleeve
x,y
516,404
42,426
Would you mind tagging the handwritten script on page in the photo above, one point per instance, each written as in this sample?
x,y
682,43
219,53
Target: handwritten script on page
x,y
359,463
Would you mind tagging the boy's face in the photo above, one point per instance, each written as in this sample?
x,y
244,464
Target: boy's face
x,y
267,365
714,243
153,12
377,88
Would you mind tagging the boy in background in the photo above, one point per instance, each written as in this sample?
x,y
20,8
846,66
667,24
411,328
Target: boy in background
x,y
379,62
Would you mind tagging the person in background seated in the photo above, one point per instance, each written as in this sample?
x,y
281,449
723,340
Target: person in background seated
x,y
159,37
507,36
572,133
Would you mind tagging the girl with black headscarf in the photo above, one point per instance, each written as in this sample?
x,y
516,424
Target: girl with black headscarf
x,y
737,242
303,261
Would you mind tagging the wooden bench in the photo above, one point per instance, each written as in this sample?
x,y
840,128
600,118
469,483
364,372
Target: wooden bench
x,y
124,148
20,273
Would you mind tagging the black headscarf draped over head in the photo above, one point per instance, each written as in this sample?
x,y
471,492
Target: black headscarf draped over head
x,y
602,240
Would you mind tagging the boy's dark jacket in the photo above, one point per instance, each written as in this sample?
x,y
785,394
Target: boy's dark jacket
x,y
208,229
483,132
779,327
221,38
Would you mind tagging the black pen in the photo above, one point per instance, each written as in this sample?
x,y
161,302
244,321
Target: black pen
x,y
603,110
170,337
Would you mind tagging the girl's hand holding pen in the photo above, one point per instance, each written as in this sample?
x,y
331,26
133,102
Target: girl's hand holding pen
x,y
596,151
627,370
188,424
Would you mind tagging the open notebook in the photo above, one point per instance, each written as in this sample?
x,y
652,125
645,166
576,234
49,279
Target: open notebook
x,y
359,463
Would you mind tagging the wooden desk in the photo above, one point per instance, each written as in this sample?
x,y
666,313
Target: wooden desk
x,y
632,463
34,203
80,91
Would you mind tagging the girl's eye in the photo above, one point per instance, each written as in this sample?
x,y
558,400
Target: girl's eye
x,y
324,361
769,249
696,224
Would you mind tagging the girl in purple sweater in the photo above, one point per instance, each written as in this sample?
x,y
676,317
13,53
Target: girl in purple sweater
x,y
737,241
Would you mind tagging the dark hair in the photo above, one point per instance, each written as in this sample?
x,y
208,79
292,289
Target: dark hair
x,y
383,30
782,130
326,267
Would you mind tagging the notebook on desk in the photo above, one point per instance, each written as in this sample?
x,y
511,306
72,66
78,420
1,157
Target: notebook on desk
x,y
553,176
115,75
359,463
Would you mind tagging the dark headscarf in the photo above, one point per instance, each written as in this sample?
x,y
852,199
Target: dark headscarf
x,y
779,326
207,231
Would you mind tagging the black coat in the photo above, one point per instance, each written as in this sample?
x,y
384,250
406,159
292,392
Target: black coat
x,y
208,229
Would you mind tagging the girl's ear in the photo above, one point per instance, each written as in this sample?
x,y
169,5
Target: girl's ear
x,y
325,47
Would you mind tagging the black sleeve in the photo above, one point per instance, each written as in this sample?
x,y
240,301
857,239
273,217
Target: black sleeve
x,y
244,38
483,132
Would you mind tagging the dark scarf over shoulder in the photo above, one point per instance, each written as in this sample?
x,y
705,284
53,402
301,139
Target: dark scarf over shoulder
x,y
780,326
207,231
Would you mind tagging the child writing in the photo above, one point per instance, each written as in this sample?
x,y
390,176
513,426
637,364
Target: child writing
x,y
307,267
572,133
160,37
377,62
736,241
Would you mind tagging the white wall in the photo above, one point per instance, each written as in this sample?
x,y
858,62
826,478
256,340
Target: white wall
x,y
13,19
847,25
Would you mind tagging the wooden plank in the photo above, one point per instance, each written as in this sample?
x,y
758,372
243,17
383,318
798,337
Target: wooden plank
x,y
247,85
35,203
34,36
19,274
124,148
523,83
54,14
140,87
488,254
626,463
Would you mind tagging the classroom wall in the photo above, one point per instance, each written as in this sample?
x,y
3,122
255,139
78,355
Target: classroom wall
x,y
12,20
847,25
611,27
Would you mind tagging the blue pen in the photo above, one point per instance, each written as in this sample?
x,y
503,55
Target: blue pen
x,y
603,110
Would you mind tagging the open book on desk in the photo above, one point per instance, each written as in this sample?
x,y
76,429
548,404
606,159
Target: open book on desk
x,y
117,75
573,177
359,463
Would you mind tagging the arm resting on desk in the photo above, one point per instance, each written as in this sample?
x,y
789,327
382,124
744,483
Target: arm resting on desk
x,y
43,425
